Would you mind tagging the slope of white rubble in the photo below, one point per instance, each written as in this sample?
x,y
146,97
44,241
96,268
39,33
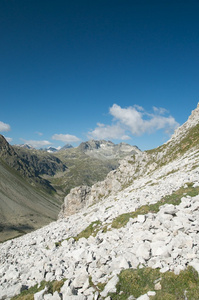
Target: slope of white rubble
x,y
167,240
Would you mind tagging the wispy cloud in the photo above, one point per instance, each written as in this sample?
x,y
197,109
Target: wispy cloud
x,y
4,126
134,121
37,144
66,138
39,133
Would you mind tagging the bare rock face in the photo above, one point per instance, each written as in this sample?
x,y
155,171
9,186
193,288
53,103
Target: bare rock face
x,y
85,196
75,201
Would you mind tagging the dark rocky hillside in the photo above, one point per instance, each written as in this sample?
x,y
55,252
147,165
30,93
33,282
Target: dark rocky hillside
x,y
29,165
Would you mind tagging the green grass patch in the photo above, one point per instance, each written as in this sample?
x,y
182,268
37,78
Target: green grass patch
x,y
52,286
135,282
174,150
174,198
92,229
108,207
98,287
173,287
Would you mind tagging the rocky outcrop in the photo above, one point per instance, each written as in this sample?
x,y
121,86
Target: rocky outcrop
x,y
181,131
75,201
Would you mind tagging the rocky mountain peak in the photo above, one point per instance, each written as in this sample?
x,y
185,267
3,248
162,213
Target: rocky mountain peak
x,y
4,145
102,149
7,152
182,131
94,144
67,146
194,117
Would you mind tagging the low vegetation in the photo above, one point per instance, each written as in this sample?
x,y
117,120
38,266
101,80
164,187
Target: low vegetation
x,y
51,287
137,282
173,150
97,287
174,198
92,229
123,219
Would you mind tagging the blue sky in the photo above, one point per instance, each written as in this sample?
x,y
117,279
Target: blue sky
x,y
121,70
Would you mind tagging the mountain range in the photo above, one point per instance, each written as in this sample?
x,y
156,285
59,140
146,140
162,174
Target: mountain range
x,y
30,176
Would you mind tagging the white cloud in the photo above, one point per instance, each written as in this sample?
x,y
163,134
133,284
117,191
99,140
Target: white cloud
x,y
39,133
8,139
130,118
66,138
139,121
108,132
4,126
160,110
36,144
134,120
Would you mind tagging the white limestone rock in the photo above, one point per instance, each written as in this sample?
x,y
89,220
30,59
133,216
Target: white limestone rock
x,y
110,287
143,251
39,295
81,278
143,297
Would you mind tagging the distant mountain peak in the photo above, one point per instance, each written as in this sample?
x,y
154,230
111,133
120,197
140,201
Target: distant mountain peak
x,y
107,150
26,146
94,144
51,150
67,146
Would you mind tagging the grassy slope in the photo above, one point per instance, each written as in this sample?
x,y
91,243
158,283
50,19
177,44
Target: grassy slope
x,y
173,149
23,208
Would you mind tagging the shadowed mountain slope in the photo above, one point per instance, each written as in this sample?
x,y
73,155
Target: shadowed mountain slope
x,y
23,208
